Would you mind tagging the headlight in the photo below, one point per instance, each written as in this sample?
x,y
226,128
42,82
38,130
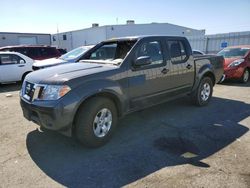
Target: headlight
x,y
236,63
54,92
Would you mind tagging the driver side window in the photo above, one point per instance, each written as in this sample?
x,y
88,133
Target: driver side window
x,y
152,49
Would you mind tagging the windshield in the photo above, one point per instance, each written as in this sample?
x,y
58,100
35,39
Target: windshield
x,y
73,54
111,52
234,52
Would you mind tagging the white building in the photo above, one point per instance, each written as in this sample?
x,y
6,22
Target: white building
x,y
10,39
95,34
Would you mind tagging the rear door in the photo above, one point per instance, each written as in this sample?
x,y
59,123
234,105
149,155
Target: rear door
x,y
10,67
182,64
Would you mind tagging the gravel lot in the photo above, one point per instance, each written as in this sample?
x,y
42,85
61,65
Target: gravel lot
x,y
173,144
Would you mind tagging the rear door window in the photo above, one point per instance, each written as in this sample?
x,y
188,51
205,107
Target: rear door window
x,y
8,59
178,51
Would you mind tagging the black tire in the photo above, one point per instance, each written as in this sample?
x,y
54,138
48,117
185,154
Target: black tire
x,y
198,97
85,125
245,77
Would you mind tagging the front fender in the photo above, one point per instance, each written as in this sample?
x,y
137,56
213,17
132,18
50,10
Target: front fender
x,y
98,87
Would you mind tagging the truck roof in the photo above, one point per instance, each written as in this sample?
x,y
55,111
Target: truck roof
x,y
129,38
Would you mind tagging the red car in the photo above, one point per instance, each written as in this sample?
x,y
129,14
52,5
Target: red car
x,y
237,62
34,52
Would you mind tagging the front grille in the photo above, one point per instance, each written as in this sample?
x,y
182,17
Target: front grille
x,y
29,91
32,91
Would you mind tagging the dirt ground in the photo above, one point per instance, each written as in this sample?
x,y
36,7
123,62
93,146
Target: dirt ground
x,y
173,144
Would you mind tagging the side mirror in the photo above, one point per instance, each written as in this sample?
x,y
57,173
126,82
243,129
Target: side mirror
x,y
22,61
142,61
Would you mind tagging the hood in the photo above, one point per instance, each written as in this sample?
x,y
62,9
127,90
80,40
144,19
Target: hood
x,y
227,61
48,62
66,72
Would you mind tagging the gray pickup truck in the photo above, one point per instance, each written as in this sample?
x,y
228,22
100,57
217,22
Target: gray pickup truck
x,y
116,77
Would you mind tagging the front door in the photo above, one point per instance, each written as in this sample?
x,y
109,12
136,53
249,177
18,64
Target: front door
x,y
147,82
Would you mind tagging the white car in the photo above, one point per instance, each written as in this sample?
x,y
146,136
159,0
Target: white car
x,y
14,66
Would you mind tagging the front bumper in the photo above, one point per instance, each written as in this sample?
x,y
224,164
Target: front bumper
x,y
52,115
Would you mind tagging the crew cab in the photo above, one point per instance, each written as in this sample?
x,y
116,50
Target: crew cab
x,y
86,99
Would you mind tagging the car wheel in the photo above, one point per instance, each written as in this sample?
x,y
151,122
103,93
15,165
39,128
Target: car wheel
x,y
96,121
245,76
203,93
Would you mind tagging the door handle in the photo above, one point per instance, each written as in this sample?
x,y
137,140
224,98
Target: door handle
x,y
189,66
20,65
165,71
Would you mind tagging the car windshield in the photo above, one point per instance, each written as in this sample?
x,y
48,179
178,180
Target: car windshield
x,y
234,52
111,52
73,54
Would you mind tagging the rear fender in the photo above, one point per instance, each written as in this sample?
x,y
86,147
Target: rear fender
x,y
205,70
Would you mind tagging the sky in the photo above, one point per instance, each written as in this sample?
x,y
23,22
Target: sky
x,y
48,16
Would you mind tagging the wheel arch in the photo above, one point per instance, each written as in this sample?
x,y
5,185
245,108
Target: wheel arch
x,y
210,75
24,75
107,94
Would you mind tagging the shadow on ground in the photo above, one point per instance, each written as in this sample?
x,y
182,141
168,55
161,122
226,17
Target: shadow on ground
x,y
10,87
146,141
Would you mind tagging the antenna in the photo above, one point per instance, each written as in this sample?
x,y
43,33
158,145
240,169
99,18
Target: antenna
x,y
58,38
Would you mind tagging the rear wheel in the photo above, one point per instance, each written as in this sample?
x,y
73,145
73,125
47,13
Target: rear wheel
x,y
203,93
245,76
96,121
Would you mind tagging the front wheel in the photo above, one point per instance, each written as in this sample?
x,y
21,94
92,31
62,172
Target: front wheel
x,y
202,95
245,76
96,121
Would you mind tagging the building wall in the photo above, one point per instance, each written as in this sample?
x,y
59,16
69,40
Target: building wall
x,y
215,43
78,38
8,39
95,35
151,29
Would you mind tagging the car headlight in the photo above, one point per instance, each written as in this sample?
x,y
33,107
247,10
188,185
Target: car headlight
x,y
54,92
236,63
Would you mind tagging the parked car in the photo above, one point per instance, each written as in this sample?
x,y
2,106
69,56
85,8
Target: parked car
x,y
237,62
198,53
14,66
62,51
34,52
86,99
72,56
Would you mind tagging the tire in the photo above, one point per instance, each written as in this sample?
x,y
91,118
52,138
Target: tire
x,y
93,127
203,94
245,77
